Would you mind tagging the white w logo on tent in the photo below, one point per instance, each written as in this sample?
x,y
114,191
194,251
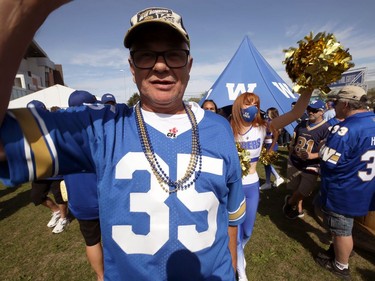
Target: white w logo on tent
x,y
233,93
284,89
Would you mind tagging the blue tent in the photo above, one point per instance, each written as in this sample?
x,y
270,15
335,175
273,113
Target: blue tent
x,y
248,71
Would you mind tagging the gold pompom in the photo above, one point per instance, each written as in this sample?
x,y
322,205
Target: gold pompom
x,y
244,156
268,158
317,62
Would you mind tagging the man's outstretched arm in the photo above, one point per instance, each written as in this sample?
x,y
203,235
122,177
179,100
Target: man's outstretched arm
x,y
19,20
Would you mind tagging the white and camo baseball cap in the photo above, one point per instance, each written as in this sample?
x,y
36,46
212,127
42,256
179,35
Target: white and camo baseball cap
x,y
156,15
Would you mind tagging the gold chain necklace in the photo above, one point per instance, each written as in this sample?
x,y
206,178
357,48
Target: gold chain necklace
x,y
163,179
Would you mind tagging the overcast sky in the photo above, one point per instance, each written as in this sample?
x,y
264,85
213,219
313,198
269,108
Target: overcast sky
x,y
86,36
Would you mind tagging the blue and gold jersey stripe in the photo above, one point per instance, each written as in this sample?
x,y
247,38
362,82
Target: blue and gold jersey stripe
x,y
239,213
42,156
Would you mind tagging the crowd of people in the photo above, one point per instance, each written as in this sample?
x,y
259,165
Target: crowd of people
x,y
160,198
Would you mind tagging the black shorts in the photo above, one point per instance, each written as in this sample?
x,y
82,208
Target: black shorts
x,y
90,230
41,188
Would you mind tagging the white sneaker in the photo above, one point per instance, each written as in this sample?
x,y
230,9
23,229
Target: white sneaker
x,y
54,219
265,186
60,226
278,182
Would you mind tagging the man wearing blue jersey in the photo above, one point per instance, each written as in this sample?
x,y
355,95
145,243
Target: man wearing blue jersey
x,y
168,193
347,172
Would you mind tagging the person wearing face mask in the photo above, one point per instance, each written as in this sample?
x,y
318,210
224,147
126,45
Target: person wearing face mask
x,y
249,130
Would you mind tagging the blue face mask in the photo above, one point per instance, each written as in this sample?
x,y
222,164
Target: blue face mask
x,y
248,114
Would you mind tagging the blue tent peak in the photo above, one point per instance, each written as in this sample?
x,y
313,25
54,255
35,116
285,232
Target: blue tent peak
x,y
248,71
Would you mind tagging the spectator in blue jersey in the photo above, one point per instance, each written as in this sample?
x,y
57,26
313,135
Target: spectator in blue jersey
x,y
250,129
108,99
209,105
303,162
164,185
83,199
40,189
347,172
330,111
270,143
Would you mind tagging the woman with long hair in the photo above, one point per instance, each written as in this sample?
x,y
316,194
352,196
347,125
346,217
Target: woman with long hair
x,y
249,130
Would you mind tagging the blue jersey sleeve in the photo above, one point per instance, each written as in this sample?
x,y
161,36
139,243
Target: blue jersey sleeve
x,y
41,144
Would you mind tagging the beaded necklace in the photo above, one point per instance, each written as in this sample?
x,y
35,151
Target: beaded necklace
x,y
166,183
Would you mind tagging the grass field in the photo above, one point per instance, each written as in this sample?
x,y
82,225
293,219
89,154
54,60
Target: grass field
x,y
279,249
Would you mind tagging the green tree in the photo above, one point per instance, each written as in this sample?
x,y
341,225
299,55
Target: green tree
x,y
133,99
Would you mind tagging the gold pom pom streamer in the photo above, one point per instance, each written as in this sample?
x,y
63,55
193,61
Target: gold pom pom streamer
x,y
317,62
244,156
268,158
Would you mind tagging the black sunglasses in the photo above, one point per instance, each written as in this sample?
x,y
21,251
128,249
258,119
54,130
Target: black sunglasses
x,y
146,59
313,110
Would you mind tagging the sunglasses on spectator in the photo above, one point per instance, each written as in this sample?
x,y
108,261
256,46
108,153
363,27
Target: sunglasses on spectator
x,y
145,59
312,110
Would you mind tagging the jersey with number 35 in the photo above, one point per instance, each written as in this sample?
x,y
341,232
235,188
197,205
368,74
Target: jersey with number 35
x,y
148,234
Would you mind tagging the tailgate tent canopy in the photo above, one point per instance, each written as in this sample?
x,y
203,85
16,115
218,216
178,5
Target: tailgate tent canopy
x,y
248,71
56,95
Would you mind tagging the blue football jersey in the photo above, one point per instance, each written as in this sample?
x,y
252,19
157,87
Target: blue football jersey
x,y
82,195
348,166
146,231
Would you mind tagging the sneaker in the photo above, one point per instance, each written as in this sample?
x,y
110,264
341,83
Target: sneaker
x,y
278,182
54,219
330,265
60,226
265,186
291,212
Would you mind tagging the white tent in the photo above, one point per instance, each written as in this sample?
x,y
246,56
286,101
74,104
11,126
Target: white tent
x,y
56,95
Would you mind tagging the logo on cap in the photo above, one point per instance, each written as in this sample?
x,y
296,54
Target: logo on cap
x,y
156,15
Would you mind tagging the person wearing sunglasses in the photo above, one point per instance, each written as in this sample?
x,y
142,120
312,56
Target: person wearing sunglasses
x,y
303,162
169,193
